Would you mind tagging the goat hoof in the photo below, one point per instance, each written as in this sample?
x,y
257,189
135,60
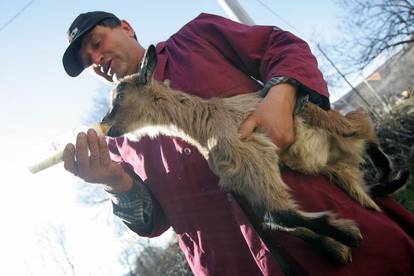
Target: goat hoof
x,y
338,252
387,188
350,233
343,230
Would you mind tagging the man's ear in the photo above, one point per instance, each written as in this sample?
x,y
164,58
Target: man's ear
x,y
127,28
148,65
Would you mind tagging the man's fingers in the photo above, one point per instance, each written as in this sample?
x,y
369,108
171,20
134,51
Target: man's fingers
x,y
81,152
94,161
104,157
276,139
282,138
69,162
247,127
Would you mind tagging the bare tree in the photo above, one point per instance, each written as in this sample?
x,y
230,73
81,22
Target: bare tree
x,y
53,239
156,261
374,27
100,106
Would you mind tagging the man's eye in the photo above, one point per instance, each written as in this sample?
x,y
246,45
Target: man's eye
x,y
95,44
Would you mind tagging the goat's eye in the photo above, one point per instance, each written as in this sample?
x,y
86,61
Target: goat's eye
x,y
119,97
121,86
112,113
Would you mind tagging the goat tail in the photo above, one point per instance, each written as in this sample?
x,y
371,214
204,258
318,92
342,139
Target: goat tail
x,y
355,124
362,125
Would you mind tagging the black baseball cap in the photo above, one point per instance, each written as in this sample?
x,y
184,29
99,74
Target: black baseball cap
x,y
80,26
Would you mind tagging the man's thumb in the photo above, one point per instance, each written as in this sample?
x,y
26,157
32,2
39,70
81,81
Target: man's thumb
x,y
247,128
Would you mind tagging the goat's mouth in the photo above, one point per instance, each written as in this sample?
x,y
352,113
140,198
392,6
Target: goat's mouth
x,y
104,127
109,130
113,132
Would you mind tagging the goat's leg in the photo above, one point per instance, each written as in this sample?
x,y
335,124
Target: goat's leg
x,y
323,223
380,161
251,169
391,186
351,180
264,225
388,184
337,251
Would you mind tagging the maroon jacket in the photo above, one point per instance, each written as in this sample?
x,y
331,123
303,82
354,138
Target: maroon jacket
x,y
212,56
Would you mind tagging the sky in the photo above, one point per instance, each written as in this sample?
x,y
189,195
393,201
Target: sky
x,y
41,102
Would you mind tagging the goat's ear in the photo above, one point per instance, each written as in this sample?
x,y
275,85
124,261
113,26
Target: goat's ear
x,y
148,65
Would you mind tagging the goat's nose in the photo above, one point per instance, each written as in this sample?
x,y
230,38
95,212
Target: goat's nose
x,y
113,132
104,127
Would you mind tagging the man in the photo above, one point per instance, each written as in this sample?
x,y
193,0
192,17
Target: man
x,y
165,182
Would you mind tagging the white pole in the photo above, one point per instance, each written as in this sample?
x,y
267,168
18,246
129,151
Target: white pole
x,y
235,11
374,92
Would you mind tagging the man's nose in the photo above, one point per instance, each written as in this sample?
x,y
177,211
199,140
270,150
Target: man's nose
x,y
96,58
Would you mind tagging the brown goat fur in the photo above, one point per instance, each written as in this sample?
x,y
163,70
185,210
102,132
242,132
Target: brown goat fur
x,y
326,143
212,125
334,145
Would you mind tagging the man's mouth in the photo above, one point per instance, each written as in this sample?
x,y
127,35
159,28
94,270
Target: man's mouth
x,y
107,69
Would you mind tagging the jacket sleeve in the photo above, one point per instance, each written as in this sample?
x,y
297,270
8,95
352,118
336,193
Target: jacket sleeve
x,y
262,52
137,208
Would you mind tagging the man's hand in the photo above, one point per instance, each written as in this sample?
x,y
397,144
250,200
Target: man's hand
x,y
274,114
96,167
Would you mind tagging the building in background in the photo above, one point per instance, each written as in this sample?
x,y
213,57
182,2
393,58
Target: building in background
x,y
388,85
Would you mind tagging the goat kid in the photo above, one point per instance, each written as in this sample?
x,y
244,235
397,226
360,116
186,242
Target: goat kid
x,y
251,168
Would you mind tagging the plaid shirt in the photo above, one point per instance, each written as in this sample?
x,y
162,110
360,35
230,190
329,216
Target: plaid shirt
x,y
134,207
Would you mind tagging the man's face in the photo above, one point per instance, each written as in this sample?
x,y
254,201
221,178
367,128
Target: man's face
x,y
112,53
